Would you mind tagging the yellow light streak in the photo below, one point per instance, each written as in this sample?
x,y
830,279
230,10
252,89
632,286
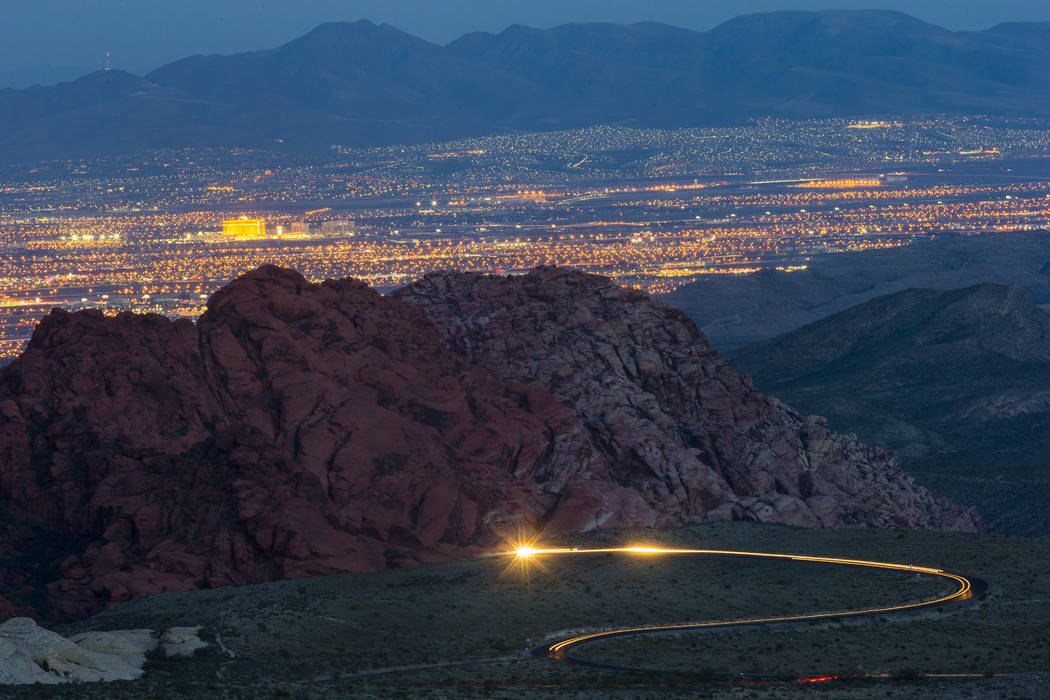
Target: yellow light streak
x,y
964,591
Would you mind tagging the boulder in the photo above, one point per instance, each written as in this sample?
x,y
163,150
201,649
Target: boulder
x,y
31,654
181,641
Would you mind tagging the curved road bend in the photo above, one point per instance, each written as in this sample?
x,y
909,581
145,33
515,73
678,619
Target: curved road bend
x,y
966,588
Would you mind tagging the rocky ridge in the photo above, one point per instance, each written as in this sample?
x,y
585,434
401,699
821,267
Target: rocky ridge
x,y
301,429
671,423
956,382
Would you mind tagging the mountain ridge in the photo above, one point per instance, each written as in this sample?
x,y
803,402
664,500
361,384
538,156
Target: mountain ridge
x,y
364,84
737,310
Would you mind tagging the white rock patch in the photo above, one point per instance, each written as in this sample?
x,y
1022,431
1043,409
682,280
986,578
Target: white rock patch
x,y
181,641
31,654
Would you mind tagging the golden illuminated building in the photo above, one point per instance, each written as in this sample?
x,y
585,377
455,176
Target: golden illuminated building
x,y
244,228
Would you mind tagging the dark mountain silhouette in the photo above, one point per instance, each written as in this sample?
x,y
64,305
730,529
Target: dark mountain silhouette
x,y
21,77
1031,35
111,111
361,84
737,310
956,382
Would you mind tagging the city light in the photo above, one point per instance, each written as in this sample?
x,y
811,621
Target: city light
x,y
166,232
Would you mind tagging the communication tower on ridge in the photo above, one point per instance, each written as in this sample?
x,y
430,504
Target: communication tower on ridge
x,y
108,67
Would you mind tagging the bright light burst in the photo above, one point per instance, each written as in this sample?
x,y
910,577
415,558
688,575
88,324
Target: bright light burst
x,y
523,549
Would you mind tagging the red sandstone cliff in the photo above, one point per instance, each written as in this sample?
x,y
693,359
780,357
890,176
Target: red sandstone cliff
x,y
669,419
304,429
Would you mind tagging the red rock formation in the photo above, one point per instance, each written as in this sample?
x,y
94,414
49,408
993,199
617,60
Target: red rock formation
x,y
304,429
670,420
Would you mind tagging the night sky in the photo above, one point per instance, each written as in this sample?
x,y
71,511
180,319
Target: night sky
x,y
48,40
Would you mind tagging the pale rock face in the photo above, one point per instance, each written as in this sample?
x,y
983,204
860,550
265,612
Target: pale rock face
x,y
129,644
302,430
31,654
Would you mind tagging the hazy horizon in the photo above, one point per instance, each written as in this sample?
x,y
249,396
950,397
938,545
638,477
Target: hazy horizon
x,y
55,40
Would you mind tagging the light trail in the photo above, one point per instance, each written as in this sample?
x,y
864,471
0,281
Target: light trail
x,y
964,590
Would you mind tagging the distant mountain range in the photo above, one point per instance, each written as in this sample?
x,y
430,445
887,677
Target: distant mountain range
x,y
735,310
28,76
361,84
956,382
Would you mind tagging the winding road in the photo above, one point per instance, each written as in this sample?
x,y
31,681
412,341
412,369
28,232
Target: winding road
x,y
966,589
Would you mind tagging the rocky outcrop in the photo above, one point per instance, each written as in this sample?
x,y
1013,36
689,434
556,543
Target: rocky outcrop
x,y
302,429
296,430
181,641
31,654
672,424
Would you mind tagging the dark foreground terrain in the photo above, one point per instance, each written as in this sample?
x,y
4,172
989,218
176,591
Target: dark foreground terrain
x,y
310,638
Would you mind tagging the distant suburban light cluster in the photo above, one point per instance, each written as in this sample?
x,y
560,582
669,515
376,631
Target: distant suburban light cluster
x,y
652,209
